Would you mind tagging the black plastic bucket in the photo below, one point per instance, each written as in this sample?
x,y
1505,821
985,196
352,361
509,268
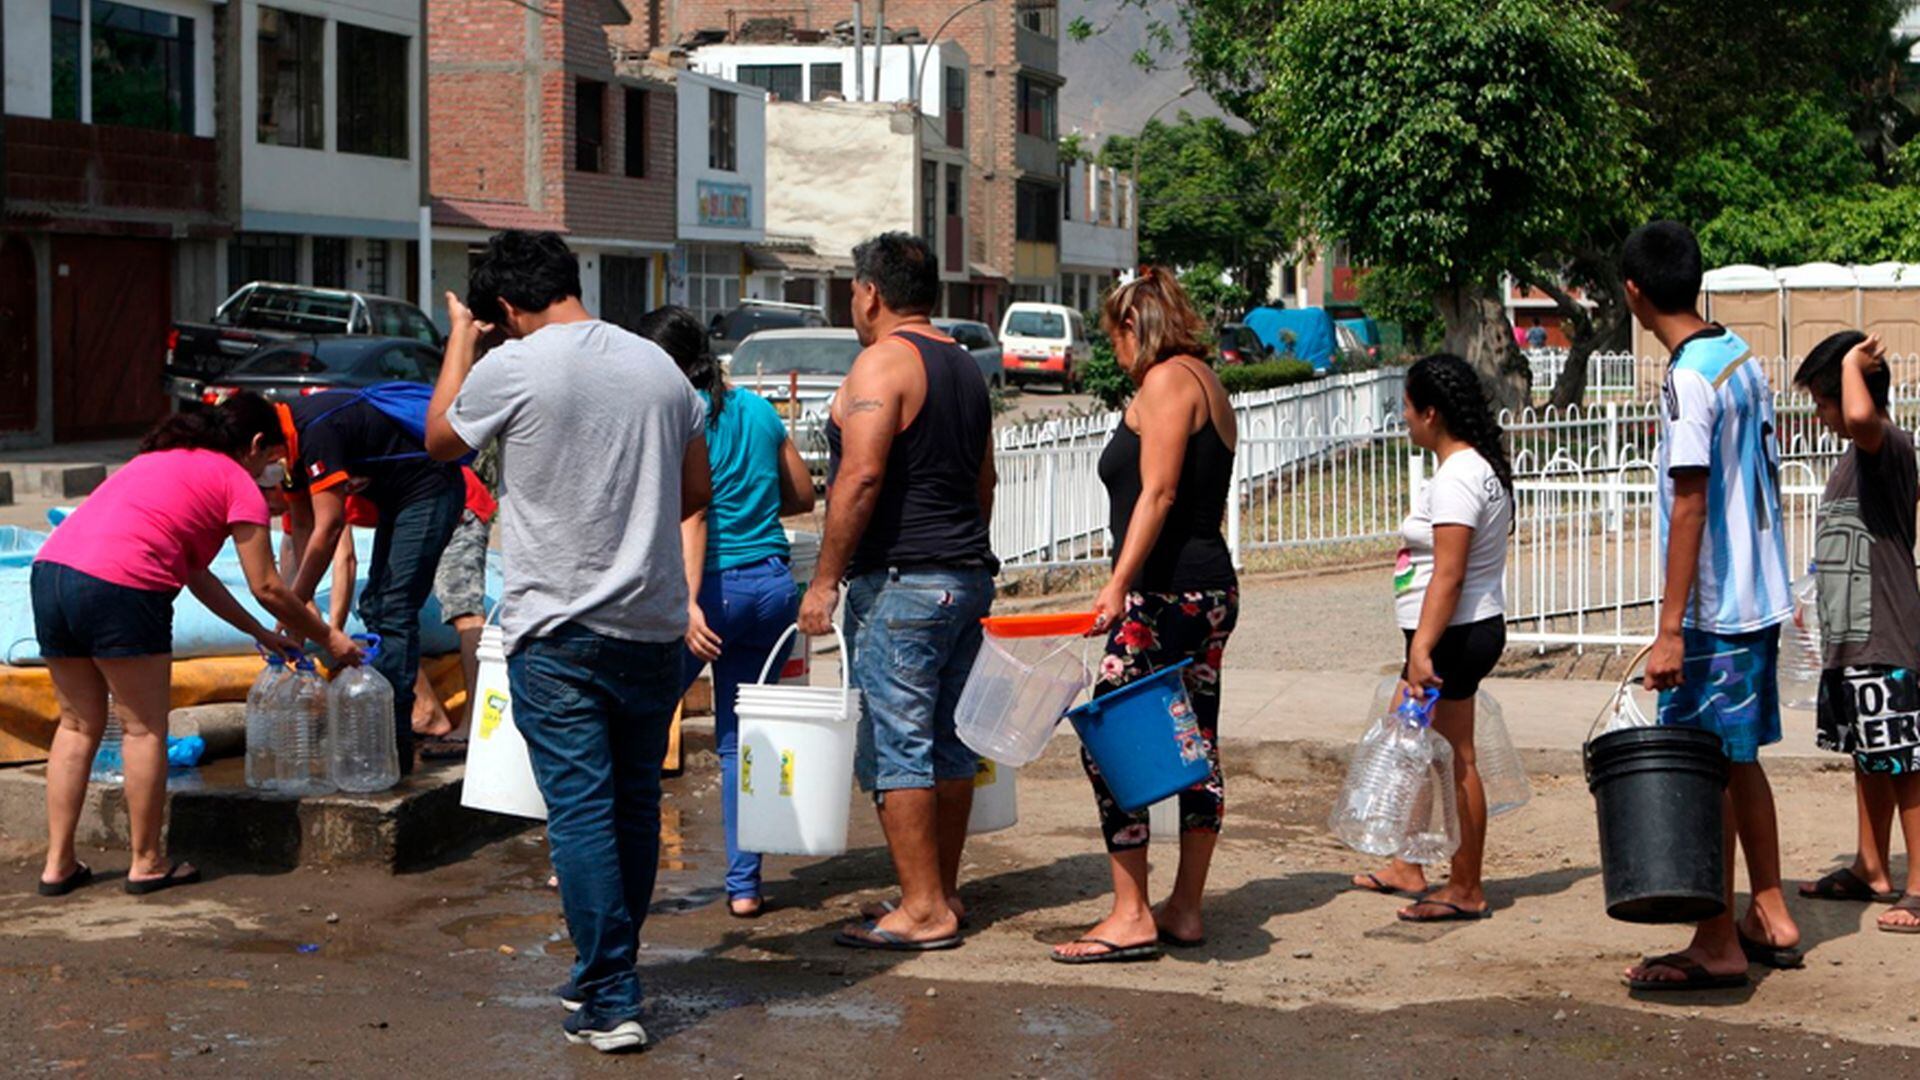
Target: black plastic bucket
x,y
1659,793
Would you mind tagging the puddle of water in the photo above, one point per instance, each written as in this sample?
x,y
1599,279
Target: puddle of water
x,y
860,1012
493,931
1056,1022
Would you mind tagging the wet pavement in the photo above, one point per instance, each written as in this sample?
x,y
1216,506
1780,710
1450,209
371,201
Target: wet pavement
x,y
447,971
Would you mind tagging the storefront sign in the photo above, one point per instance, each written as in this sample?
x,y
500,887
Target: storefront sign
x,y
726,206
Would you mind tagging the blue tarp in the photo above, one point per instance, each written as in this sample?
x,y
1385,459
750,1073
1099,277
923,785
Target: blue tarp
x,y
196,631
1310,331
1364,328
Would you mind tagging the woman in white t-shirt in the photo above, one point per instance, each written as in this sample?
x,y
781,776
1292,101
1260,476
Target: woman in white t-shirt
x,y
1451,605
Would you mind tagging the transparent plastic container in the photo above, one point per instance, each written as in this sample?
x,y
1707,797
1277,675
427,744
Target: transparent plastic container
x,y
1375,809
360,727
1433,833
260,725
1028,673
1802,654
108,766
1502,775
302,765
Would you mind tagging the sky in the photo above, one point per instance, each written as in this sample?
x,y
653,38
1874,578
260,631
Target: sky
x,y
1106,93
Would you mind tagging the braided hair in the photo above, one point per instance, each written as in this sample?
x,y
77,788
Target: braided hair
x,y
1448,384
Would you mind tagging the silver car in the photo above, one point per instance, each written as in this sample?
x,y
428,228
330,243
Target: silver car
x,y
799,370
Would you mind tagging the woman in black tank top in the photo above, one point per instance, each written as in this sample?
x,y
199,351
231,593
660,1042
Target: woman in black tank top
x,y
1173,595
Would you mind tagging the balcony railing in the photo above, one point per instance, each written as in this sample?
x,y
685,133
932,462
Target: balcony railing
x,y
1033,49
68,164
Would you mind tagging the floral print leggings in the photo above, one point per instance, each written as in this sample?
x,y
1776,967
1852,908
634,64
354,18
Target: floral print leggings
x,y
1156,631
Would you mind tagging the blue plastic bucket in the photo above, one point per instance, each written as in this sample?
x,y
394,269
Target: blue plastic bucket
x,y
1144,738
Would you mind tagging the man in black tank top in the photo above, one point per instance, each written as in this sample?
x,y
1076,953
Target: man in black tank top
x,y
909,501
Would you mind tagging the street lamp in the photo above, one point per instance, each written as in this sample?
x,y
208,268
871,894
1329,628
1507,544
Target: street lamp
x,y
1134,179
919,82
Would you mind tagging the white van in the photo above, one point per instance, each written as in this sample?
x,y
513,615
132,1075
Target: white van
x,y
1044,343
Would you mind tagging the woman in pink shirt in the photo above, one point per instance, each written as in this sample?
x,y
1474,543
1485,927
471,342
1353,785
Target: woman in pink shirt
x,y
103,589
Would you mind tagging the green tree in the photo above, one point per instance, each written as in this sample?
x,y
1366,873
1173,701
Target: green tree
x,y
1206,197
1453,140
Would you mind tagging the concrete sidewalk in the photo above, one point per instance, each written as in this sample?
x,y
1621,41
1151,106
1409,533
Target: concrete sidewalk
x,y
1541,714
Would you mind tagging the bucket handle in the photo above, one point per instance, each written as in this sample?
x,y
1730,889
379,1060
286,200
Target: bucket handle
x,y
1627,679
845,684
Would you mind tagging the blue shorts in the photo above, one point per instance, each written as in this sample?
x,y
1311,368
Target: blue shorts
x,y
914,635
1731,687
79,616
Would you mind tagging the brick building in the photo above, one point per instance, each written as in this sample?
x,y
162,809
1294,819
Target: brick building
x,y
1011,93
533,127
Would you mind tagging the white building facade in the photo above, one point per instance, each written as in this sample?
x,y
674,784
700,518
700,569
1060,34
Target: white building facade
x,y
1096,233
720,200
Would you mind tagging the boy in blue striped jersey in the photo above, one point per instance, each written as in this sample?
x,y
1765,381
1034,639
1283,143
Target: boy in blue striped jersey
x,y
1716,657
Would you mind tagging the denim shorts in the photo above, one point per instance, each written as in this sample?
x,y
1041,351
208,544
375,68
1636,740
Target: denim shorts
x,y
78,616
1731,687
914,635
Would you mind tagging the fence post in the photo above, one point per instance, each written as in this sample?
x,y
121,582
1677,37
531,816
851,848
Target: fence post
x,y
1416,476
1052,513
1234,495
1613,434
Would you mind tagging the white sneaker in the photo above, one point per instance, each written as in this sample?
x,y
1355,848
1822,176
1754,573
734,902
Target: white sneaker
x,y
626,1035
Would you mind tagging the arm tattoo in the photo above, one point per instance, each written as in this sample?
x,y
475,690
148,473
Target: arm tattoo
x,y
864,405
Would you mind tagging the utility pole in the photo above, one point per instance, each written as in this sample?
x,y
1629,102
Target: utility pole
x,y
859,61
879,42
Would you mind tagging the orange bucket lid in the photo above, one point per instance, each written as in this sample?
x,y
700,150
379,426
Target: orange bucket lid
x,y
1044,624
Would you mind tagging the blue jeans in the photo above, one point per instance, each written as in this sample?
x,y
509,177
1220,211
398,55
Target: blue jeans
x,y
914,635
595,711
750,607
406,556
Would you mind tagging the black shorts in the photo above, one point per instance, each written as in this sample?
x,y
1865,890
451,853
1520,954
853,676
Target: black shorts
x,y
1466,654
79,616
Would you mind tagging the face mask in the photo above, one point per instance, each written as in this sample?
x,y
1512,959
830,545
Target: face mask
x,y
272,475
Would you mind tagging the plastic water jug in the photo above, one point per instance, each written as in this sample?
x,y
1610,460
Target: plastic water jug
x,y
1502,776
108,767
260,767
360,718
1434,832
1802,653
1028,672
299,707
1375,808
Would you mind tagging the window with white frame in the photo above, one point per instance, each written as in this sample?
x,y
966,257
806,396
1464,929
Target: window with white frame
x,y
713,279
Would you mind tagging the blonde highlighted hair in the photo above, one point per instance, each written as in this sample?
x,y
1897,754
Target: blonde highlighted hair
x,y
1162,319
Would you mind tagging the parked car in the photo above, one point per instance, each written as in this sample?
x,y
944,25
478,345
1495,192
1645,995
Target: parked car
x,y
799,370
730,328
315,365
977,338
1240,345
1044,343
265,313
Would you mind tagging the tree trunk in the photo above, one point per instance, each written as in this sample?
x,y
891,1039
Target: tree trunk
x,y
1591,329
1478,330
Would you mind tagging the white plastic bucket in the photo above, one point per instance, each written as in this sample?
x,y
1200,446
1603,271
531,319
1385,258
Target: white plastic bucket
x,y
796,765
1163,819
804,548
996,801
499,773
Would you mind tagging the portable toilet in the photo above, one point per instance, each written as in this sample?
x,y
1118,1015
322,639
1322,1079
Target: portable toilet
x,y
1821,299
1746,300
1890,307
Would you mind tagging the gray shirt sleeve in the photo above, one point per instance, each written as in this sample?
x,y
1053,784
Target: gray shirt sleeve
x,y
489,398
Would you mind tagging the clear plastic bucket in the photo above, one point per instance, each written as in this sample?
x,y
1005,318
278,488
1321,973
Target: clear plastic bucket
x,y
1028,672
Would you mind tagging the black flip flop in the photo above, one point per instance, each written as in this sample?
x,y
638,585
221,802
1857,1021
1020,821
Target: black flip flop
x,y
165,881
872,937
1173,940
82,875
1697,977
1844,884
1455,913
888,907
1385,889
1779,957
1115,954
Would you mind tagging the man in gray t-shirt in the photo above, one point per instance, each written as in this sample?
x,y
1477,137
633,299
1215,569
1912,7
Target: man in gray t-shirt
x,y
603,452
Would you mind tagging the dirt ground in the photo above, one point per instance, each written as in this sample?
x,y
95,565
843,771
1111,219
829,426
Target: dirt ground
x,y
447,971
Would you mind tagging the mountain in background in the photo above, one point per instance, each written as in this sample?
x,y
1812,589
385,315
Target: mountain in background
x,y
1106,92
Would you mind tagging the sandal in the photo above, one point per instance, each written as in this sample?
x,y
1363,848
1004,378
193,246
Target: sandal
x,y
1385,889
880,909
758,909
1697,977
1779,957
1173,940
1909,904
869,936
1454,913
1844,884
82,875
1114,954
168,880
